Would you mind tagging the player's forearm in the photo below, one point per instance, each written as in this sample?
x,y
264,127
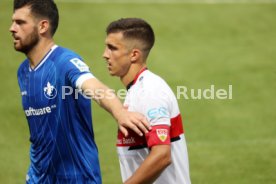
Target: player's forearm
x,y
152,167
111,103
103,95
106,98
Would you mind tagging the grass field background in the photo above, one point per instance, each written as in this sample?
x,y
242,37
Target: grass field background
x,y
197,44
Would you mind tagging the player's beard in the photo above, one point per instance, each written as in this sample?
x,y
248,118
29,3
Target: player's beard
x,y
28,43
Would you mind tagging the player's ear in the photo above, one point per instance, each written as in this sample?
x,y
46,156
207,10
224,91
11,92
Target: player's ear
x,y
43,26
135,55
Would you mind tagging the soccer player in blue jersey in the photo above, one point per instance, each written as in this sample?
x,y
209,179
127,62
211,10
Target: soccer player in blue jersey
x,y
59,116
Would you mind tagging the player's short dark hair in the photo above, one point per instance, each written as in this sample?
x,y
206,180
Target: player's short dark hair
x,y
134,28
41,9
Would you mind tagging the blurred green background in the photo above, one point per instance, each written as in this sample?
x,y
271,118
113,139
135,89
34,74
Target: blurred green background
x,y
197,45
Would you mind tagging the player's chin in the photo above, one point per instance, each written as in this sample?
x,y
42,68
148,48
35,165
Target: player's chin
x,y
112,74
110,71
17,47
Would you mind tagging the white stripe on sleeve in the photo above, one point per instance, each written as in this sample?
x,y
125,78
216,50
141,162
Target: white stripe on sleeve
x,y
83,78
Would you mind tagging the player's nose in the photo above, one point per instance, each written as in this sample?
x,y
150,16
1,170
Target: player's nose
x,y
12,28
105,54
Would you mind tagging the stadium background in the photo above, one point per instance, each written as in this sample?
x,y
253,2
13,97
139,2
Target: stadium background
x,y
198,43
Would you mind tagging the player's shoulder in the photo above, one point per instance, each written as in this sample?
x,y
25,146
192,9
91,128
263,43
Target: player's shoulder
x,y
152,81
154,87
65,54
68,59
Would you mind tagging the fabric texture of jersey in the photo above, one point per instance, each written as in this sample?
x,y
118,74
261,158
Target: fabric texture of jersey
x,y
60,121
150,95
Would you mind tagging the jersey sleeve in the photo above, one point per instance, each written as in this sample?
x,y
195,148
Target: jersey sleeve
x,y
78,72
156,108
158,135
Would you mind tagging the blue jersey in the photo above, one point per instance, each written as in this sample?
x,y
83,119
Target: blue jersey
x,y
60,121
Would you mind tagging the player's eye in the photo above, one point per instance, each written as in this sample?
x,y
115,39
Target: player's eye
x,y
19,22
111,47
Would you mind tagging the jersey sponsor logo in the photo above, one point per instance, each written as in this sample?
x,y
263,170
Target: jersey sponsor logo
x,y
38,112
80,64
50,91
23,93
162,134
27,177
126,141
157,113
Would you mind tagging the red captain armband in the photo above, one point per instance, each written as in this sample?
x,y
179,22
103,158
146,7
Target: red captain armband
x,y
159,135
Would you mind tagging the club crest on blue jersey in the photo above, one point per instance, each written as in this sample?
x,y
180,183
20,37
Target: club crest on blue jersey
x,y
50,91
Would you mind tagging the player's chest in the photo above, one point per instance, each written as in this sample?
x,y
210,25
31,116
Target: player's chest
x,y
134,99
38,88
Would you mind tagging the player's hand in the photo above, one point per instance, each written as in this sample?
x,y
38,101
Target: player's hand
x,y
134,121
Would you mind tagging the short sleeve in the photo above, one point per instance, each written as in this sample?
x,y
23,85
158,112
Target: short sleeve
x,y
158,135
156,107
78,72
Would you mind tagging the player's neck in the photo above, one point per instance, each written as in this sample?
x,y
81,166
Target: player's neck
x,y
133,71
39,51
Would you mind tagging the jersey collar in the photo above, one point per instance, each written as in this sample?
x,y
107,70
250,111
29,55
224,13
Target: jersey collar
x,y
44,58
135,78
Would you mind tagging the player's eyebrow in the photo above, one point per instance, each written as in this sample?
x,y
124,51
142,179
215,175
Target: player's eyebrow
x,y
19,21
112,47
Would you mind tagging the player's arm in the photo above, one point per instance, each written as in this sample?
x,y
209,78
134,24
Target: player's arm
x,y
158,159
106,98
158,140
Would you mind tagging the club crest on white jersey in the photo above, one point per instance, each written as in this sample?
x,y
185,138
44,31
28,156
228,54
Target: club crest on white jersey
x,y
162,134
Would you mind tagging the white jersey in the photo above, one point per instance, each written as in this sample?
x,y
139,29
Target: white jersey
x,y
150,95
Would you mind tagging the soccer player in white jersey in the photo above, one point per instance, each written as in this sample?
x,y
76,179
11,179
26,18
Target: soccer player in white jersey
x,y
63,149
160,157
